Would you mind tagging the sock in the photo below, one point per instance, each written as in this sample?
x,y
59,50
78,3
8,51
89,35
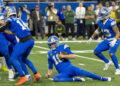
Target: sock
x,y
30,65
115,61
102,57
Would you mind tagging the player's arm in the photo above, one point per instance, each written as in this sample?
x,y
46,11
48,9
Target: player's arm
x,y
68,56
50,68
4,26
116,30
9,32
97,31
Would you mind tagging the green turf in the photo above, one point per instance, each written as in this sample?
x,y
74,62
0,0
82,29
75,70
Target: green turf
x,y
40,62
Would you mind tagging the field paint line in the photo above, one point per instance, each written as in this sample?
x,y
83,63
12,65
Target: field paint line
x,y
78,41
81,64
41,47
74,51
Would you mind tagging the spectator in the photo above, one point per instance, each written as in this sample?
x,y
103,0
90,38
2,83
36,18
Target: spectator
x,y
107,6
69,22
51,13
61,14
23,14
38,21
118,15
60,30
90,24
113,6
113,15
80,15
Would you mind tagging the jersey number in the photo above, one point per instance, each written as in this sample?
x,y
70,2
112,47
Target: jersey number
x,y
107,33
22,24
56,59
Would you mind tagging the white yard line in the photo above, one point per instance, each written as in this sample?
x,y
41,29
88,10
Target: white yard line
x,y
78,41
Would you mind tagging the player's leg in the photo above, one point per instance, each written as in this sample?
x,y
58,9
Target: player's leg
x,y
84,73
112,52
28,62
17,52
103,46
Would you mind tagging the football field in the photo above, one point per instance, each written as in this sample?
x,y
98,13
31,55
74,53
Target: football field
x,y
85,59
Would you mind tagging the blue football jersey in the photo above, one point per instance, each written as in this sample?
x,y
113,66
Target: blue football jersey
x,y
106,27
18,27
53,58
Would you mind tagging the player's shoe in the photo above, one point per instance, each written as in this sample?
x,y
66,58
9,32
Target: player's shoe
x,y
22,80
4,68
79,79
37,76
28,78
11,75
106,79
117,72
107,65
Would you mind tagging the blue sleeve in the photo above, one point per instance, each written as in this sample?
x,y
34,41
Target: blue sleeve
x,y
50,63
67,49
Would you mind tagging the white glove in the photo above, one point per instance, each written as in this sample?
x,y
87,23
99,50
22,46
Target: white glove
x,y
89,41
112,43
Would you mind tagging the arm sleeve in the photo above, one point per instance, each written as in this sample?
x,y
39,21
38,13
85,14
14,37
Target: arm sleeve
x,y
67,49
50,63
4,27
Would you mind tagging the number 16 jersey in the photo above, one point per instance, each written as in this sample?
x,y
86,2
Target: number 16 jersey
x,y
18,27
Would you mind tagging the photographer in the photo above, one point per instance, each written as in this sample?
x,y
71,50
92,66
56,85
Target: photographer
x,y
24,14
51,13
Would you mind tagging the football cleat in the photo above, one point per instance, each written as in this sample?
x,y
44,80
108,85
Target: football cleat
x,y
107,65
117,72
22,80
37,76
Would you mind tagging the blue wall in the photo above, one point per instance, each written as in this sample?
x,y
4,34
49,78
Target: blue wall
x,y
57,5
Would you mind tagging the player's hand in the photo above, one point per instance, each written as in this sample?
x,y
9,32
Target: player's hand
x,y
89,41
47,75
112,43
60,55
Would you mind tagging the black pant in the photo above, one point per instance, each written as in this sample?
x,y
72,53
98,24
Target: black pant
x,y
71,27
80,27
39,27
90,30
51,25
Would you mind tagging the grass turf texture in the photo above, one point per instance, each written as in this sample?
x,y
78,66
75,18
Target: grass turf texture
x,y
40,62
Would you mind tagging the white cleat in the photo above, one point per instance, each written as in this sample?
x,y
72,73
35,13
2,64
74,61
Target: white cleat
x,y
28,78
109,79
107,65
117,72
11,75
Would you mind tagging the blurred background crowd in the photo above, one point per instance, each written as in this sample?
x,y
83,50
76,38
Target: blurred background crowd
x,y
76,19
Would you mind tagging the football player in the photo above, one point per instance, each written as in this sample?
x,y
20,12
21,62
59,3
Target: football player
x,y
109,27
23,47
62,63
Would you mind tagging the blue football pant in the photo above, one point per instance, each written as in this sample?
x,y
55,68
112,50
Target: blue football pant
x,y
104,46
21,49
67,76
